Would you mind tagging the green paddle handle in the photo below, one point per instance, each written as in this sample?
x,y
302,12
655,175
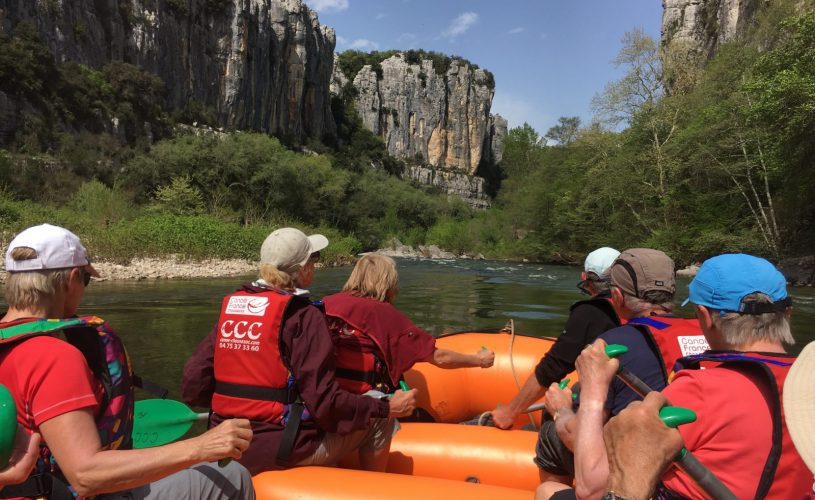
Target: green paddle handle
x,y
563,383
674,416
8,425
614,350
403,385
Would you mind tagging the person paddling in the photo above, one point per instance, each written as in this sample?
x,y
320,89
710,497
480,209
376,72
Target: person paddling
x,y
587,320
376,343
77,391
270,358
743,308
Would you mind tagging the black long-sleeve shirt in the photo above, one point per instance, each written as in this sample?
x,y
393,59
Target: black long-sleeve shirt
x,y
587,320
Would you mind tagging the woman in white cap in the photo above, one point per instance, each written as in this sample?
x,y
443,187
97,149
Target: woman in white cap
x,y
270,359
81,403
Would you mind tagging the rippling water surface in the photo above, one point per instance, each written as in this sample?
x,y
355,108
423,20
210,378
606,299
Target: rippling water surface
x,y
163,321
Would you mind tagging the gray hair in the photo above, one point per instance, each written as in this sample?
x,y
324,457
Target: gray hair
x,y
739,329
27,290
649,300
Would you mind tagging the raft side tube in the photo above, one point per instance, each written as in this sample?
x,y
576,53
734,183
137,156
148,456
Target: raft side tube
x,y
324,483
453,396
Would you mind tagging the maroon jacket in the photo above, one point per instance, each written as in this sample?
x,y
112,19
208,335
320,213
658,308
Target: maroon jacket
x,y
309,352
402,343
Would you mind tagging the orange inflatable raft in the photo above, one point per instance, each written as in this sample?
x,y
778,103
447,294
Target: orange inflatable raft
x,y
443,459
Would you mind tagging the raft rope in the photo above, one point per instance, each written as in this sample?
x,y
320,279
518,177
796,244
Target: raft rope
x,y
510,326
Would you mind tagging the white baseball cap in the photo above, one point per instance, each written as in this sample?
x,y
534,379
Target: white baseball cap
x,y
288,248
599,261
56,247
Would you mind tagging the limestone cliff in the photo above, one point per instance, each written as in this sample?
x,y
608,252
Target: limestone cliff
x,y
258,64
441,118
435,112
702,26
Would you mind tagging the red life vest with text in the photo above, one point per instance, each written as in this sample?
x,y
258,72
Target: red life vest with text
x,y
671,338
785,475
251,378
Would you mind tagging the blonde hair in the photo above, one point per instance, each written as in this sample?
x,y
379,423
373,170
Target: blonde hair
x,y
739,329
375,277
26,290
277,278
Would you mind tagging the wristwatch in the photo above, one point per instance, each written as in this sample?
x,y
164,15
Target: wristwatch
x,y
610,495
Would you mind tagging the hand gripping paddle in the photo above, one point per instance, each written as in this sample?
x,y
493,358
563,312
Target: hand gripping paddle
x,y
157,422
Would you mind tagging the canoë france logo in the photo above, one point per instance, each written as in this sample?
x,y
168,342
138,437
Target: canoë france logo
x,y
248,306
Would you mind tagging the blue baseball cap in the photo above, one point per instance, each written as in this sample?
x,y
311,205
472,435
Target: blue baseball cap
x,y
723,281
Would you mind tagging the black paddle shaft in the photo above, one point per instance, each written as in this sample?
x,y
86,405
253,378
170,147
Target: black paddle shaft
x,y
687,462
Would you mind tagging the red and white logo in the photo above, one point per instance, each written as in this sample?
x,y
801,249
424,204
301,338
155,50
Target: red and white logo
x,y
247,305
241,329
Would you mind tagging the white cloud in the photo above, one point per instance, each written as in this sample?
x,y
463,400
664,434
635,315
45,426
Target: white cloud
x,y
515,31
328,5
460,25
381,15
363,44
407,40
517,111
341,40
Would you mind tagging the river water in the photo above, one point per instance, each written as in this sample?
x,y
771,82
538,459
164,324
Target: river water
x,y
162,321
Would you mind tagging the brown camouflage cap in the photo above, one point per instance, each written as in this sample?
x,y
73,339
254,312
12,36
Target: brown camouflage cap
x,y
640,270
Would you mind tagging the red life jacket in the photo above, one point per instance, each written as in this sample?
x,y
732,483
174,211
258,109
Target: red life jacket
x,y
785,475
359,366
671,338
251,379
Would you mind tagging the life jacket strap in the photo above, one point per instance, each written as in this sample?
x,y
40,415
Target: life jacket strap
x,y
358,375
45,485
290,433
285,395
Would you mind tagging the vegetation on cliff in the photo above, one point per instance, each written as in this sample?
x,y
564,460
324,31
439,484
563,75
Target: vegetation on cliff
x,y
721,162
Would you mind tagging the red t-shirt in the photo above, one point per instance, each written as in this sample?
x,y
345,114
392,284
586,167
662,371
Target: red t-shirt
x,y
47,377
732,435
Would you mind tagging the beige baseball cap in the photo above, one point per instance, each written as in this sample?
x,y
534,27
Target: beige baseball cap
x,y
56,247
289,248
799,404
640,270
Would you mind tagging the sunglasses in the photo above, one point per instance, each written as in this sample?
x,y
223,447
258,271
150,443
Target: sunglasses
x,y
315,257
86,277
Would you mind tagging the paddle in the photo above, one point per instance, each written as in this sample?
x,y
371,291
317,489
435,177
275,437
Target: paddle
x,y
8,426
158,422
685,460
161,421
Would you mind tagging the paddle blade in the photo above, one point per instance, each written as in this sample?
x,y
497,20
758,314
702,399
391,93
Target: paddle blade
x,y
8,425
158,422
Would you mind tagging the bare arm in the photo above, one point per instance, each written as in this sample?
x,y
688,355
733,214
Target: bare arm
x,y
445,358
596,371
74,440
531,391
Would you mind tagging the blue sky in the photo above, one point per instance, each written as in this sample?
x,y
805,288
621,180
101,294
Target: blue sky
x,y
549,57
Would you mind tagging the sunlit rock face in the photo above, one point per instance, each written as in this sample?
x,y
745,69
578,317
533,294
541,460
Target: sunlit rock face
x,y
438,119
257,64
703,25
443,119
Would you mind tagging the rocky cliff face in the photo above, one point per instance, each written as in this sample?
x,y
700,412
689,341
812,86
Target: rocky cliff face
x,y
439,119
259,64
702,25
442,119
